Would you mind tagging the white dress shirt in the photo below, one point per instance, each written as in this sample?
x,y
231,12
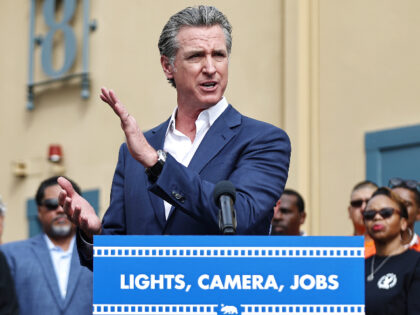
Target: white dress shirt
x,y
61,261
180,146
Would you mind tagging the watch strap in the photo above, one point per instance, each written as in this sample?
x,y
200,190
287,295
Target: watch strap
x,y
154,171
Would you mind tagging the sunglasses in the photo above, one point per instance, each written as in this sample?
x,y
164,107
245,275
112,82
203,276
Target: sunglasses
x,y
409,183
358,202
50,204
384,213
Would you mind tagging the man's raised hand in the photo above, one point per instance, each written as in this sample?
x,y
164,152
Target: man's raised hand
x,y
137,144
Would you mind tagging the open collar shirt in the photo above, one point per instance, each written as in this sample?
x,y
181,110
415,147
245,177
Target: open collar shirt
x,y
61,261
180,146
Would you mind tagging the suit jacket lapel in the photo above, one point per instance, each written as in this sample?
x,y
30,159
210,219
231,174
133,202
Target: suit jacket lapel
x,y
157,140
74,274
220,133
43,255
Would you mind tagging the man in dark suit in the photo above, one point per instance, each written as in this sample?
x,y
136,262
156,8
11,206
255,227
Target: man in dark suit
x,y
164,180
46,269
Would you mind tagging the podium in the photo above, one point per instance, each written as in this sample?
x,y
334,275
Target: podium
x,y
228,275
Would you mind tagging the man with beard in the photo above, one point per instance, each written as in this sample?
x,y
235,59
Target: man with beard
x,y
41,265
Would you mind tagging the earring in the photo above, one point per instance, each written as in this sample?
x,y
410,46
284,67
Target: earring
x,y
406,240
410,232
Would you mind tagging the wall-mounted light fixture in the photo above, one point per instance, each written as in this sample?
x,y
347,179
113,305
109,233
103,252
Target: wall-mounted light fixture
x,y
55,153
30,166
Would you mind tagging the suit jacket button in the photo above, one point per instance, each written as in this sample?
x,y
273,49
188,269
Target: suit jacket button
x,y
177,196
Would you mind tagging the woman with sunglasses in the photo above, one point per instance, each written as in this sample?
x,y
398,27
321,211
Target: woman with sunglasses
x,y
393,274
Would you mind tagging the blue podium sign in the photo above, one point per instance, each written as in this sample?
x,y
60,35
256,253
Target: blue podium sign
x,y
228,275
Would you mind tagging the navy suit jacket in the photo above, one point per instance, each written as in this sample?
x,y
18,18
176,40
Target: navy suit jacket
x,y
36,283
253,155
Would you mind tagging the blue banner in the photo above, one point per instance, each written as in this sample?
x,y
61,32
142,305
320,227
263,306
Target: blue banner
x,y
228,275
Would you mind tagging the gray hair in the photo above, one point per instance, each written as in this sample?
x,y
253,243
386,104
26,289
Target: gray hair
x,y
201,15
2,207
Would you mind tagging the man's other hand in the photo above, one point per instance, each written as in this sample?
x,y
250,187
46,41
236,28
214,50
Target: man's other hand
x,y
78,210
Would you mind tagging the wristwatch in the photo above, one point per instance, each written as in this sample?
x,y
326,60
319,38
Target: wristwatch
x,y
154,171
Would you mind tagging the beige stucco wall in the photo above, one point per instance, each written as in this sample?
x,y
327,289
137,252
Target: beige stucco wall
x,y
369,66
325,70
349,67
123,56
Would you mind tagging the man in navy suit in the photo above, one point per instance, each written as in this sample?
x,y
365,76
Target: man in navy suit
x,y
46,269
164,180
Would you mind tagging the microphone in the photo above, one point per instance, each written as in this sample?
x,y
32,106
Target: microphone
x,y
224,196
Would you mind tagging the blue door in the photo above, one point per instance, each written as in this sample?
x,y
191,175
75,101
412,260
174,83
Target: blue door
x,y
393,153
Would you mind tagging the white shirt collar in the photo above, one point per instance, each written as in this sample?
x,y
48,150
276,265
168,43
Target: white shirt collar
x,y
209,115
52,247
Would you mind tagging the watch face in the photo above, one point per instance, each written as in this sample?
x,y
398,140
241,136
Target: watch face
x,y
154,171
161,156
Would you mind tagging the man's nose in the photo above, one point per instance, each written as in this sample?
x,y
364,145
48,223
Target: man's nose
x,y
209,65
278,215
59,209
363,206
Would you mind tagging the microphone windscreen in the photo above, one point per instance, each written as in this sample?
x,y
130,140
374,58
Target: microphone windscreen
x,y
224,187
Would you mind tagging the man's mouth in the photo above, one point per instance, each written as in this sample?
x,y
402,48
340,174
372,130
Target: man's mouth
x,y
278,226
62,219
208,84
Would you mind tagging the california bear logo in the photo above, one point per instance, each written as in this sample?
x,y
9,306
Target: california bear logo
x,y
229,309
387,281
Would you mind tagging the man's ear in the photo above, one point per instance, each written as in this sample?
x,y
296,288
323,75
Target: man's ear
x,y
167,67
277,205
302,218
